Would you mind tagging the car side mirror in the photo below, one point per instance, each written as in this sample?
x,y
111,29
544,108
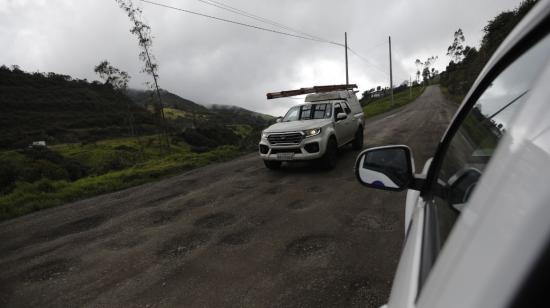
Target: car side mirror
x,y
386,168
341,116
278,120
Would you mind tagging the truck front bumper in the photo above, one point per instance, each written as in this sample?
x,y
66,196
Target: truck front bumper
x,y
308,149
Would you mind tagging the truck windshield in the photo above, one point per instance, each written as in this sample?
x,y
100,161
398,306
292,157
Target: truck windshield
x,y
308,112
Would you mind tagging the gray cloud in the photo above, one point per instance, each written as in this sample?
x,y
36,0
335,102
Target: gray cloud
x,y
212,62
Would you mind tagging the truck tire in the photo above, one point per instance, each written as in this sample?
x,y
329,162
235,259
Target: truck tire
x,y
328,161
358,141
271,164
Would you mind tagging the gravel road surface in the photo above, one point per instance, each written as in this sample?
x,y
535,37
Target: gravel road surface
x,y
228,235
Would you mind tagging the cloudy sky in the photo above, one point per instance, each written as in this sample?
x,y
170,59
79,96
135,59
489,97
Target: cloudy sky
x,y
213,62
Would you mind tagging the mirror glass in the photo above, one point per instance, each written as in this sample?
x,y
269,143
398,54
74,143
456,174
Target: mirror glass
x,y
386,168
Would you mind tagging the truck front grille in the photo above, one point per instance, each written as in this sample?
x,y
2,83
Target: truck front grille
x,y
285,138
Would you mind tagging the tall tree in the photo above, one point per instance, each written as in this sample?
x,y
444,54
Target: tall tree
x,y
456,49
419,64
426,68
143,32
426,74
118,79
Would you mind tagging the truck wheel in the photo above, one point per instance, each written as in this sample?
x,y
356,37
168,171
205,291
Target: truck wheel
x,y
273,165
358,141
328,161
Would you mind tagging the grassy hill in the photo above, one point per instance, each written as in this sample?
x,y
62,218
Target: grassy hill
x,y
237,115
89,146
59,109
380,105
169,100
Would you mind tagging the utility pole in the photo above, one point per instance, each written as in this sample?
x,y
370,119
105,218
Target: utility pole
x,y
346,47
391,76
410,86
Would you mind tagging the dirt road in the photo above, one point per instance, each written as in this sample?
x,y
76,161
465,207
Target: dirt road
x,y
227,235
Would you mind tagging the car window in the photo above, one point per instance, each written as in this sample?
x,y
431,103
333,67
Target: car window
x,y
337,109
321,111
308,112
346,107
477,138
292,114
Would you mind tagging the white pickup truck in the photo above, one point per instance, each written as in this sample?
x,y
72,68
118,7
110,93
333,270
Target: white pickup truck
x,y
330,118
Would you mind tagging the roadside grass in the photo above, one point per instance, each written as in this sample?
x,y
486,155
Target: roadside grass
x,y
381,105
242,130
172,113
113,165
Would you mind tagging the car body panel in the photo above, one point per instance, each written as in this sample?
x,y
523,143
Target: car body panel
x,y
507,216
504,228
405,283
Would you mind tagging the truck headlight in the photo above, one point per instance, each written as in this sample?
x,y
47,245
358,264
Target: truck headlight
x,y
264,135
312,132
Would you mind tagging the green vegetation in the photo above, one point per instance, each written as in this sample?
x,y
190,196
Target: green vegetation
x,y
383,104
169,100
101,140
241,130
457,99
59,109
467,62
38,178
173,114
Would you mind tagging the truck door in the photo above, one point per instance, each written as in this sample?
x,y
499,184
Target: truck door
x,y
340,125
350,122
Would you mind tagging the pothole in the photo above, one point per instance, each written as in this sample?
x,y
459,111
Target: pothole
x,y
237,238
273,190
310,246
314,189
183,245
298,205
216,220
49,270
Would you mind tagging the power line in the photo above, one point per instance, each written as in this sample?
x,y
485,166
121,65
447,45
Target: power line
x,y
233,22
367,61
237,11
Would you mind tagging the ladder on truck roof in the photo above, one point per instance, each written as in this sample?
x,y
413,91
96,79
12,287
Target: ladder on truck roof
x,y
315,89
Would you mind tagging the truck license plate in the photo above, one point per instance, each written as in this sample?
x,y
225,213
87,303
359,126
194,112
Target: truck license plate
x,y
285,156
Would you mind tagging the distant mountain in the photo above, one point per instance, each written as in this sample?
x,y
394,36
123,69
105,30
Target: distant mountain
x,y
58,109
169,100
239,110
221,114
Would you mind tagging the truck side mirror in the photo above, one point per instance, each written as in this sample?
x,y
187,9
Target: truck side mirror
x,y
386,168
341,116
278,120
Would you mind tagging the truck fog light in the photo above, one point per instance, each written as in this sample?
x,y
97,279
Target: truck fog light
x,y
312,147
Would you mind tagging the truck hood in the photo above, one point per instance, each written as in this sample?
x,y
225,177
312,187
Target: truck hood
x,y
296,125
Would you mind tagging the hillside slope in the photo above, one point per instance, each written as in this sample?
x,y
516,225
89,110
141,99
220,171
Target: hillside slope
x,y
169,100
59,109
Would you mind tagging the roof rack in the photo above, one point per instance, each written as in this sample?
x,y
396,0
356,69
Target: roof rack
x,y
315,89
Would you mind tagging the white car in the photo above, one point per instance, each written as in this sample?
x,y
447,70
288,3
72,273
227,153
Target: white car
x,y
316,129
477,216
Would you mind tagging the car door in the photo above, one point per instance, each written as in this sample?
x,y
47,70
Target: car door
x,y
340,125
350,122
464,155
